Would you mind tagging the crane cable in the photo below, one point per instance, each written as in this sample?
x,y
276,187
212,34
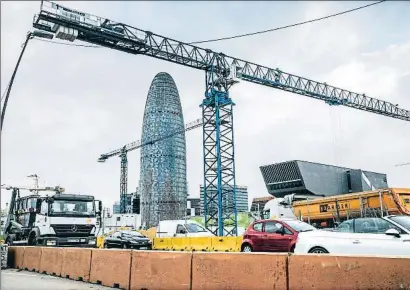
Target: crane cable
x,y
245,34
287,26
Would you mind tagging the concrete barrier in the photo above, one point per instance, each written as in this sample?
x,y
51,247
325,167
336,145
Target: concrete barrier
x,y
76,264
111,268
16,257
344,272
200,244
32,257
207,244
180,243
100,242
160,270
239,271
51,261
137,270
226,244
162,244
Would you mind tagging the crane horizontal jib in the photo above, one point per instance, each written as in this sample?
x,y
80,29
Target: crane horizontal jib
x,y
139,143
122,37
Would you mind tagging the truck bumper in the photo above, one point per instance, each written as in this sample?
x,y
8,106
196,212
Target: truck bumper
x,y
82,242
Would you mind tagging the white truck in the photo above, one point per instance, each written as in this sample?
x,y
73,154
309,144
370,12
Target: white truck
x,y
181,228
58,220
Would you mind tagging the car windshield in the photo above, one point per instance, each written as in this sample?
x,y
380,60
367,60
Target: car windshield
x,y
194,228
71,207
133,234
300,226
402,220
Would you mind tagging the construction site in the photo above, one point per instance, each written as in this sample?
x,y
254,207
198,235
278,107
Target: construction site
x,y
201,238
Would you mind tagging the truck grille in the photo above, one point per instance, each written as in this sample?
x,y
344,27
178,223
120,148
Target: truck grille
x,y
72,230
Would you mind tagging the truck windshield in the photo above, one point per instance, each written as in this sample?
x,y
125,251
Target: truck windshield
x,y
402,220
194,228
72,207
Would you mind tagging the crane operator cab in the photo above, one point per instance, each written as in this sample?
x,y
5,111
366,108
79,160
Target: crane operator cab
x,y
57,220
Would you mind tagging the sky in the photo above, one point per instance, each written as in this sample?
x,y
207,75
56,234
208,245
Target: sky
x,y
71,104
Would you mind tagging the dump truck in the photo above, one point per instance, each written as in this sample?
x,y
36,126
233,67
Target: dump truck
x,y
329,211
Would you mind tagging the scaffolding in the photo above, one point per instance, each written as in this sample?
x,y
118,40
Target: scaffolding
x,y
163,181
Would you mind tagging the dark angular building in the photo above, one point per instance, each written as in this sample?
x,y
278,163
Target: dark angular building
x,y
308,178
163,182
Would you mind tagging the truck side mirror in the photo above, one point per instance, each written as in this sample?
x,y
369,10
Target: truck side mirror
x,y
100,205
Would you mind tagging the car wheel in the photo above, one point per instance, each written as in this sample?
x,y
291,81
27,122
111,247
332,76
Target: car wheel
x,y
246,248
318,250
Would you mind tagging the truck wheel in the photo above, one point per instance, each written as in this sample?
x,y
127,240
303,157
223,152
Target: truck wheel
x,y
32,240
9,241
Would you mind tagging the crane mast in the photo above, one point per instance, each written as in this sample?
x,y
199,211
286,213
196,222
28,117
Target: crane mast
x,y
122,153
222,72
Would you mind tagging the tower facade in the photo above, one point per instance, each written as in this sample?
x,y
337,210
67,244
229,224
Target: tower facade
x,y
163,181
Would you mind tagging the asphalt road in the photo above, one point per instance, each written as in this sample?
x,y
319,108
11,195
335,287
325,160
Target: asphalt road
x,y
12,279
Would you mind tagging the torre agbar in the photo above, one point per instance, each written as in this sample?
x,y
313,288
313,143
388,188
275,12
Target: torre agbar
x,y
163,182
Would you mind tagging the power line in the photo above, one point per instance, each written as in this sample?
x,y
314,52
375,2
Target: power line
x,y
287,26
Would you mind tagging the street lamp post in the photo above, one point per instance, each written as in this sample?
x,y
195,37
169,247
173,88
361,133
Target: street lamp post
x,y
30,35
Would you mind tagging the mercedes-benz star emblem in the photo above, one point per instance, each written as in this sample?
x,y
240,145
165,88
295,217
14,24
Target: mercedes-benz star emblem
x,y
73,228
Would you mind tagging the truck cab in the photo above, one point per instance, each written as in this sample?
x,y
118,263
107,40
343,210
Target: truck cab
x,y
57,220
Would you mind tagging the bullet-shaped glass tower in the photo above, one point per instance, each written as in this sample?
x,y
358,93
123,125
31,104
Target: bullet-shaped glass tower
x,y
163,182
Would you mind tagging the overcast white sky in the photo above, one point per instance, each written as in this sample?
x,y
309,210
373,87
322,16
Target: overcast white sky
x,y
70,104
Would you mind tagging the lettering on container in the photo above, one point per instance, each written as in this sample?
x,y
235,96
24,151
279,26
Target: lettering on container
x,y
327,207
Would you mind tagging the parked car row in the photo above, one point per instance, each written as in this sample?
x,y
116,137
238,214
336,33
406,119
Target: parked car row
x,y
388,235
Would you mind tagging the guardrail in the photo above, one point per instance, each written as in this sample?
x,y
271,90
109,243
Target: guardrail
x,y
127,269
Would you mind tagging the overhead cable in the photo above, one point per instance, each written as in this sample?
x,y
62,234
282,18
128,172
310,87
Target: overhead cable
x,y
286,26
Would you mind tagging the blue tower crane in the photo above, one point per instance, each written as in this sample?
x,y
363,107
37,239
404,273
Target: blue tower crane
x,y
222,72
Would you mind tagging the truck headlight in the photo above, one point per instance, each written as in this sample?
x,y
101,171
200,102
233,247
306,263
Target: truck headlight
x,y
91,242
51,243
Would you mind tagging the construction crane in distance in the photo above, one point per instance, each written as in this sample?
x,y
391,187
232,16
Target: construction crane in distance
x,y
221,73
122,153
402,164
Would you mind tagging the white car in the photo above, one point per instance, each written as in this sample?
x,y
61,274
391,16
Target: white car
x,y
393,241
